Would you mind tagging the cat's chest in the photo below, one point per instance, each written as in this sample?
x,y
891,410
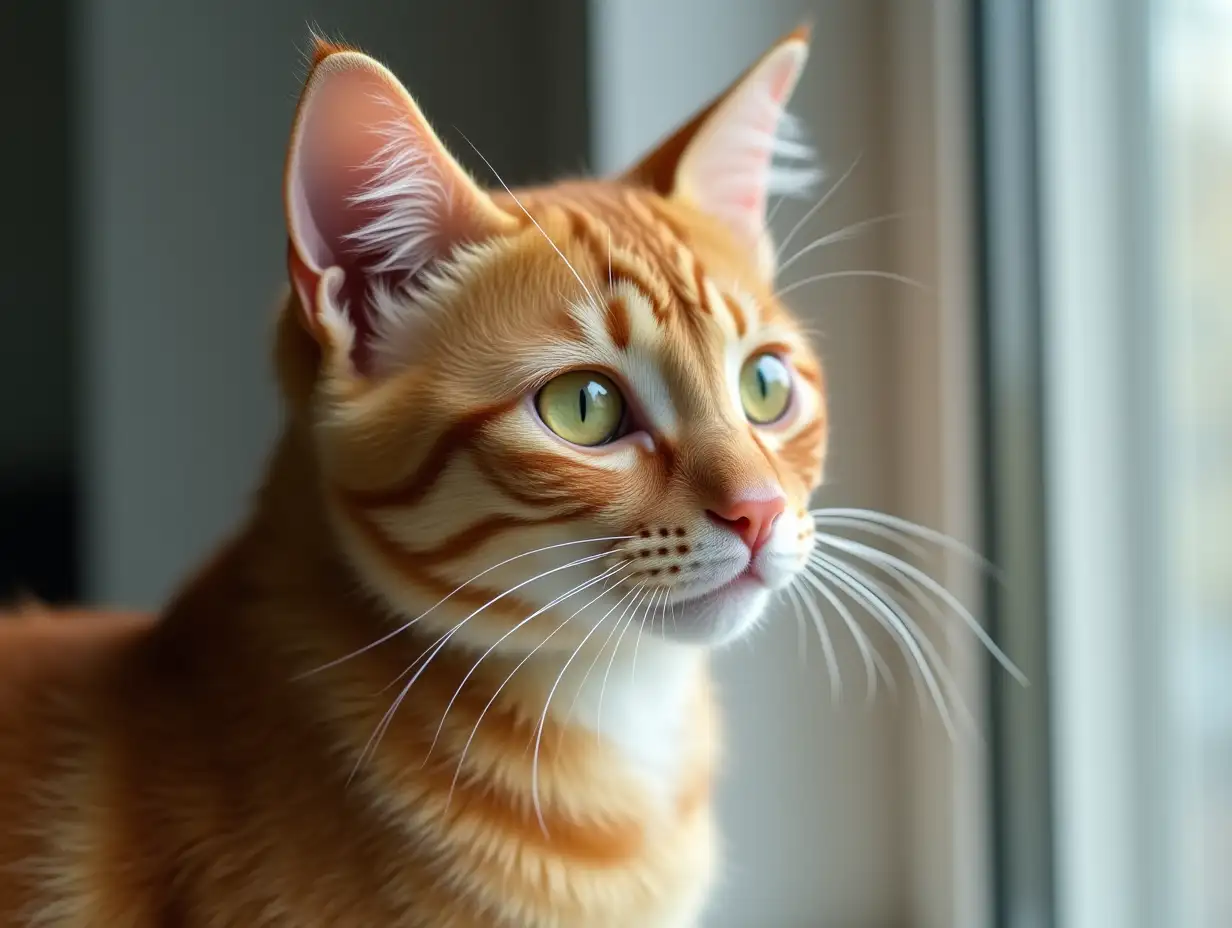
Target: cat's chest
x,y
651,714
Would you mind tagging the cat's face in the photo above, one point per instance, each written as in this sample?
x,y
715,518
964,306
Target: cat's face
x,y
558,408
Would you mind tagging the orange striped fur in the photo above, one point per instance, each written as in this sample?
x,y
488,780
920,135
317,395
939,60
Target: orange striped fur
x,y
235,760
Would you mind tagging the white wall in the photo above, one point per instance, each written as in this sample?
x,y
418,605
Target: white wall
x,y
811,810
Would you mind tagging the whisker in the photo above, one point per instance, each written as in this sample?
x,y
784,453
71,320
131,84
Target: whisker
x,y
426,654
886,611
827,649
513,196
774,210
593,662
378,733
942,669
450,594
631,610
534,769
492,700
833,275
437,647
911,528
813,210
893,565
501,640
950,685
649,605
801,628
872,659
667,594
444,639
841,235
897,536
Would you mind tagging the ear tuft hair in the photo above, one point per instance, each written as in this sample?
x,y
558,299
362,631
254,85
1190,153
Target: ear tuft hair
x,y
406,199
794,171
323,47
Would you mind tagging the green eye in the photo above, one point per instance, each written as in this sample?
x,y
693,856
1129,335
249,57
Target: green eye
x,y
582,407
765,388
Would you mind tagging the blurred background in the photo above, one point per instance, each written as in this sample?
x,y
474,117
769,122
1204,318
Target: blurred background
x,y
1057,393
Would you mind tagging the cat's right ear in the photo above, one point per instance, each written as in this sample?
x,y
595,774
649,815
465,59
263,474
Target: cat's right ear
x,y
371,195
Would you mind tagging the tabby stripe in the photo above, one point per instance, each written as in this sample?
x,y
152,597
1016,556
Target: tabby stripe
x,y
480,533
800,451
771,459
628,271
737,314
691,314
806,437
810,375
665,452
660,211
586,231
407,565
501,813
413,489
652,214
497,808
619,325
582,228
485,806
515,491
699,282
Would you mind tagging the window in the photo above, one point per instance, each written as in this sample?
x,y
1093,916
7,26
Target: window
x,y
1108,197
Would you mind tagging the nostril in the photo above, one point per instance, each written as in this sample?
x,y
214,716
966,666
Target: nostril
x,y
741,525
752,520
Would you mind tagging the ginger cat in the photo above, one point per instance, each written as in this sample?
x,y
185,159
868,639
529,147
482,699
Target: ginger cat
x,y
543,450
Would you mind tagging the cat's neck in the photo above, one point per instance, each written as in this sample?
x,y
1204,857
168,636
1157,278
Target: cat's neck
x,y
301,608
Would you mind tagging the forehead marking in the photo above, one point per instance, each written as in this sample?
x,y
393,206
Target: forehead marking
x,y
616,318
655,282
737,315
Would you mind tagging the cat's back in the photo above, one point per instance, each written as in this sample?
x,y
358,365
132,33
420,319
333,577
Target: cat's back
x,y
46,656
54,671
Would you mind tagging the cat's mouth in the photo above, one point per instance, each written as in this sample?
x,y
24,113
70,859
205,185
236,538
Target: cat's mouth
x,y
719,613
748,578
726,578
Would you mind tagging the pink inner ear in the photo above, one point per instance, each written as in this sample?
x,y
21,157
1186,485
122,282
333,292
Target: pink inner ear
x,y
345,143
780,81
341,139
783,80
728,168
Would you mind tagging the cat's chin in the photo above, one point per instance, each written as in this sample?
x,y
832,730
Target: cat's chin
x,y
719,616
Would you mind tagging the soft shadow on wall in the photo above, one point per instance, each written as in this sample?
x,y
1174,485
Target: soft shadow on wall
x,y
38,492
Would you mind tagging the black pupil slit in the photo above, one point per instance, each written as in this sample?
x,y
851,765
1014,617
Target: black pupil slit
x,y
761,383
582,404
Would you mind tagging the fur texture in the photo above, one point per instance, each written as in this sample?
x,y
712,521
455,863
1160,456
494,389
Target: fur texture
x,y
452,670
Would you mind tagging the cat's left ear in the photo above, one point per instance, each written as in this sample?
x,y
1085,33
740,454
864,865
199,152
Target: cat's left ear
x,y
723,159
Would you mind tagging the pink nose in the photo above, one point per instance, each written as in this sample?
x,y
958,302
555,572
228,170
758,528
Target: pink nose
x,y
752,520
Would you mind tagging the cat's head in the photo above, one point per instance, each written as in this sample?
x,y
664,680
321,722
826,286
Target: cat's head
x,y
559,407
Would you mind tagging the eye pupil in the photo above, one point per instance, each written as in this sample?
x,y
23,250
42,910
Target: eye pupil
x,y
582,407
765,388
